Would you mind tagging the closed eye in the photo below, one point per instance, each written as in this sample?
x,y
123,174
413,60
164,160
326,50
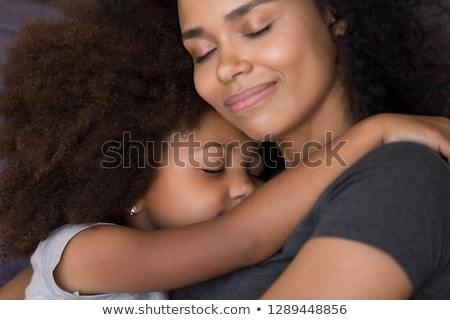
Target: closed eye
x,y
204,57
257,176
259,32
209,171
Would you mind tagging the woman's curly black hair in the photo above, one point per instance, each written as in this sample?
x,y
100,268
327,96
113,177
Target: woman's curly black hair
x,y
395,55
70,87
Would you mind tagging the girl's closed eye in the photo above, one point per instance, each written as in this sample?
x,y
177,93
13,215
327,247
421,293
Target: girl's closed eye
x,y
256,169
213,171
256,173
213,166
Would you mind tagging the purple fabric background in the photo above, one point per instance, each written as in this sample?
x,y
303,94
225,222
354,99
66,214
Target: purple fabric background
x,y
12,14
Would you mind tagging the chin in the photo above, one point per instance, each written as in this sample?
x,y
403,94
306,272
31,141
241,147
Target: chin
x,y
259,135
262,131
257,132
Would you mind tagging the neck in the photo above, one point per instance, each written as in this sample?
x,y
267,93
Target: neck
x,y
139,221
323,125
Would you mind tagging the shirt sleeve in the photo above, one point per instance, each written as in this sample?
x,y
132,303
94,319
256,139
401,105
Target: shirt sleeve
x,y
397,199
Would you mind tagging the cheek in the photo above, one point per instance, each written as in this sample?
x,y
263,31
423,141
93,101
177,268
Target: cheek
x,y
281,52
290,61
206,85
308,66
186,205
208,204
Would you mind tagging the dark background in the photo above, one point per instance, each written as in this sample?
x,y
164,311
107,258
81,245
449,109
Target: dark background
x,y
12,14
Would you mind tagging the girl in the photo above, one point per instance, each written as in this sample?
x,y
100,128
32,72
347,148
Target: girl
x,y
126,87
93,136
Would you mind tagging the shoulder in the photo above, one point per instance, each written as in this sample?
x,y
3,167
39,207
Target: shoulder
x,y
396,199
396,167
54,245
404,155
400,178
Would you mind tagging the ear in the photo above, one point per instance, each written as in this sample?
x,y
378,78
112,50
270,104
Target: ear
x,y
337,26
137,208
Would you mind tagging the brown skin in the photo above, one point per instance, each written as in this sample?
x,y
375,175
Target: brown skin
x,y
15,288
209,249
58,117
238,222
271,66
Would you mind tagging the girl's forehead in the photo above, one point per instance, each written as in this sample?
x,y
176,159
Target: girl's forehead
x,y
213,127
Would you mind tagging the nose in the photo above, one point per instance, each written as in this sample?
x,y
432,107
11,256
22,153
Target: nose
x,y
232,63
241,186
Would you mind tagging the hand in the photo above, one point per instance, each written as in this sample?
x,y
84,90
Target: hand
x,y
433,132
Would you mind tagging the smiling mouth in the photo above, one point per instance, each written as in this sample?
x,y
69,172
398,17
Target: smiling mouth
x,y
250,97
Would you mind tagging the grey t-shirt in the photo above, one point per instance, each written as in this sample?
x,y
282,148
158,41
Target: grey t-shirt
x,y
396,198
46,258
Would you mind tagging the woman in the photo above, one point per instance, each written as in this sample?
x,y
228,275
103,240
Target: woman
x,y
299,69
270,198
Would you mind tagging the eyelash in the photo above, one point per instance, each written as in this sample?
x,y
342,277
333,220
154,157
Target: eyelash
x,y
259,32
253,35
207,171
204,57
257,176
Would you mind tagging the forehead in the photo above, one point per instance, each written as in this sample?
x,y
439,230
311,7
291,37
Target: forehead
x,y
214,134
228,9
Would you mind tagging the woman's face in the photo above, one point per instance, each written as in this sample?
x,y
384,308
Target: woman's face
x,y
267,66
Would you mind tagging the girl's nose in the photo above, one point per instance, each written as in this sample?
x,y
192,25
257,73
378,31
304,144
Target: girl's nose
x,y
241,185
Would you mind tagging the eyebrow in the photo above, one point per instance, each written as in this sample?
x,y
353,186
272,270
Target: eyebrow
x,y
233,15
192,33
244,9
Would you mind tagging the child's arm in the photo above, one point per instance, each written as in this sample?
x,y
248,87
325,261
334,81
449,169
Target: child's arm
x,y
112,259
15,288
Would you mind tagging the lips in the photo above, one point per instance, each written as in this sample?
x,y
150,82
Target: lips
x,y
248,98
